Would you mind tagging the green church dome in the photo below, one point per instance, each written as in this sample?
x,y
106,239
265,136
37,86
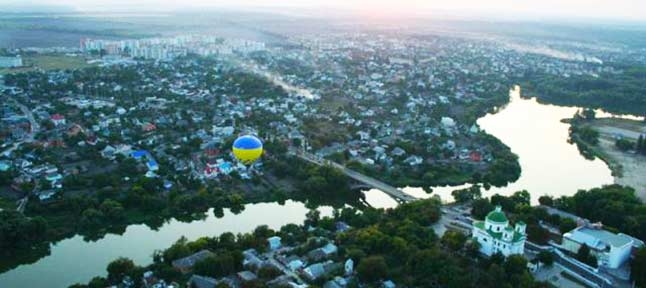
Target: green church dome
x,y
497,216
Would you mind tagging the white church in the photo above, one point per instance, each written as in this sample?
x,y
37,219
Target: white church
x,y
496,235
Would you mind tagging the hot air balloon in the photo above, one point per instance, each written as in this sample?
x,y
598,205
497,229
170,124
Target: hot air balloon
x,y
247,149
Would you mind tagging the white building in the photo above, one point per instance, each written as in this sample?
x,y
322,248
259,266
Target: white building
x,y
612,250
496,235
10,62
274,243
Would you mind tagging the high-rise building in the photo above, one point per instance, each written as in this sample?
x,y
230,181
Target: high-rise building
x,y
10,62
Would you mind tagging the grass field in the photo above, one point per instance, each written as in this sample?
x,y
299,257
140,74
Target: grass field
x,y
47,62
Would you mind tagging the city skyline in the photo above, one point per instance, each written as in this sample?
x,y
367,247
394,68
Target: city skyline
x,y
623,10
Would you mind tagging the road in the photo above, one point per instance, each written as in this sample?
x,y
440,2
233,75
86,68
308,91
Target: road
x,y
284,269
30,136
372,182
22,204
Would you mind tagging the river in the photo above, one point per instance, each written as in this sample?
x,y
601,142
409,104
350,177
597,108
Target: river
x,y
77,261
534,131
550,165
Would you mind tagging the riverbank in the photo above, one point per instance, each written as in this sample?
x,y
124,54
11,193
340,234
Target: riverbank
x,y
628,168
78,260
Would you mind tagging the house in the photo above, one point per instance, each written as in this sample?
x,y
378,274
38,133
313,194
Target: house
x,y
495,234
5,165
475,156
449,145
314,271
348,267
46,195
246,276
295,265
149,280
274,242
388,284
185,265
152,165
337,282
318,270
447,122
198,281
138,154
282,281
108,152
74,130
148,127
92,140
58,119
398,152
341,226
251,260
413,160
323,252
612,250
53,177
225,167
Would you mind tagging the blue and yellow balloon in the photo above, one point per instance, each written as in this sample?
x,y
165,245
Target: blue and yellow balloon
x,y
247,149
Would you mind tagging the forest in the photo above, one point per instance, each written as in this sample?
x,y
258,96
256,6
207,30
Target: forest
x,y
621,93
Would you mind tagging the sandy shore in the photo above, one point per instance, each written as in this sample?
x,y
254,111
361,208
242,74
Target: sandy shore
x,y
633,165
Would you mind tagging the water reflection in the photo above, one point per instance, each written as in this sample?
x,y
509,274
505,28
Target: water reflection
x,y
74,260
550,165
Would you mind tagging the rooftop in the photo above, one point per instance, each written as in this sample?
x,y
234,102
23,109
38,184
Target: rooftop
x,y
598,238
497,216
189,261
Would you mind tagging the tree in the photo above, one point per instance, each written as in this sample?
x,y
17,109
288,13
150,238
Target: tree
x,y
515,264
467,194
546,258
566,225
113,210
473,248
589,114
587,134
222,264
641,145
638,273
537,234
454,240
98,282
119,268
372,269
268,272
17,230
177,250
91,218
480,208
584,256
312,217
624,144
546,200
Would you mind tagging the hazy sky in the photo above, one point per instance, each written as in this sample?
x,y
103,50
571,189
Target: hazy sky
x,y
608,9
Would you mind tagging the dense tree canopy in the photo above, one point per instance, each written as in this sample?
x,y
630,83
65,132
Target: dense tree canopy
x,y
614,205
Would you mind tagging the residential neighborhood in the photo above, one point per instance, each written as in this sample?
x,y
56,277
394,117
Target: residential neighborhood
x,y
292,148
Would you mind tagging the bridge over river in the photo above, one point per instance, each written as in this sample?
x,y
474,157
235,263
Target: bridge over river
x,y
391,191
